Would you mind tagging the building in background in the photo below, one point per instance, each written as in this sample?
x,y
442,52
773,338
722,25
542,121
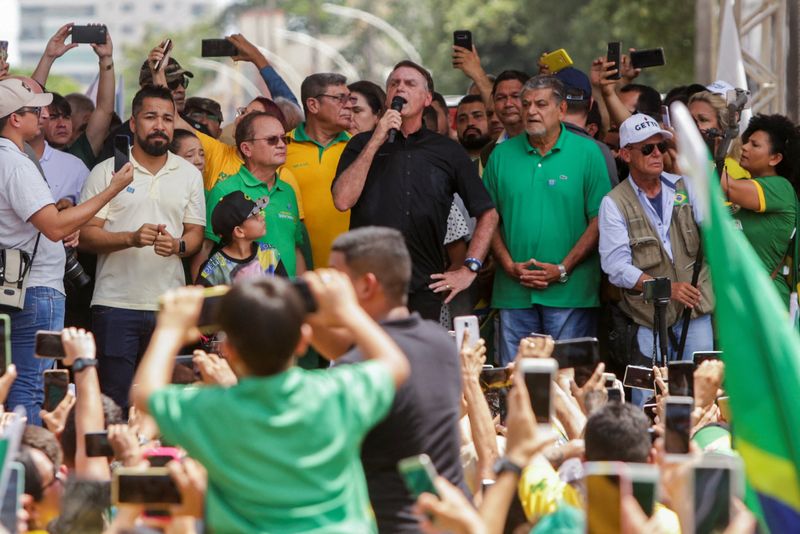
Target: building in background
x,y
127,20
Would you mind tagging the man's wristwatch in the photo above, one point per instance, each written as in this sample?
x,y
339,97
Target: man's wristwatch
x,y
504,464
83,363
473,264
181,247
564,276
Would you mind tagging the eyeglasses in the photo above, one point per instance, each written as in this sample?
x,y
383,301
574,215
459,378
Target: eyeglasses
x,y
342,98
647,149
35,110
182,81
272,140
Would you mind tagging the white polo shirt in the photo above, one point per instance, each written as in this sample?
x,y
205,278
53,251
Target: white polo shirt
x,y
134,278
65,173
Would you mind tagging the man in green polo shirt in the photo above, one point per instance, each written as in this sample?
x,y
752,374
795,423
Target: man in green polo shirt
x,y
547,186
261,140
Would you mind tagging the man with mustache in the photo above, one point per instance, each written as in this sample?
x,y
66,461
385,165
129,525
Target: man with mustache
x,y
472,125
140,238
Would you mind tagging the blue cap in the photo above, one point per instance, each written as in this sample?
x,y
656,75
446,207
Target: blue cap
x,y
575,79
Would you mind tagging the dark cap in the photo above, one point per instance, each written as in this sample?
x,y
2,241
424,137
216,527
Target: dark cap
x,y
173,71
576,79
203,104
232,210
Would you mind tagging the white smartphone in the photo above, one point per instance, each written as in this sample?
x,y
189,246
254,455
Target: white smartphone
x,y
467,323
538,374
677,427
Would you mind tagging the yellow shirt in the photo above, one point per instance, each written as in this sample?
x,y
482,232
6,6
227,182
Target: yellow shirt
x,y
314,166
223,161
735,170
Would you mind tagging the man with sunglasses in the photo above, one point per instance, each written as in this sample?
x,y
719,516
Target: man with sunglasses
x,y
648,229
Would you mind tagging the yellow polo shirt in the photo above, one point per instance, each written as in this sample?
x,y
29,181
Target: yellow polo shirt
x,y
314,166
223,160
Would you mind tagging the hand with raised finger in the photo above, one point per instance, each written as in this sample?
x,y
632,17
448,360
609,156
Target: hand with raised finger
x,y
56,420
596,383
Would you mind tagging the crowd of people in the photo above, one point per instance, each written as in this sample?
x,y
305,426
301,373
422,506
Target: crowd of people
x,y
353,222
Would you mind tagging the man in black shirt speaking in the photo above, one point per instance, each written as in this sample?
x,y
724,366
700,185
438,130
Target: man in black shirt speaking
x,y
409,184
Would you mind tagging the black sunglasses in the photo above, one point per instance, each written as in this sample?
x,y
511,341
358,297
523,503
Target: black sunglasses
x,y
273,140
647,149
182,81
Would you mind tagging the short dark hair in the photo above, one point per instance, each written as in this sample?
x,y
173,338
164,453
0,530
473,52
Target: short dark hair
x,y
380,251
683,93
245,130
594,117
577,101
315,84
271,108
150,91
784,139
419,68
506,75
60,105
262,318
4,121
617,432
40,438
649,101
177,139
373,94
469,99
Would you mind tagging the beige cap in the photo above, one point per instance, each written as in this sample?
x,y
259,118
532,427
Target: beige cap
x,y
15,94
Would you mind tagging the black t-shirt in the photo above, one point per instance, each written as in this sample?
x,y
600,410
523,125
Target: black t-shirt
x,y
424,418
410,187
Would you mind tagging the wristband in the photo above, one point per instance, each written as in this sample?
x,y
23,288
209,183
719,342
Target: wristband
x,y
473,264
83,363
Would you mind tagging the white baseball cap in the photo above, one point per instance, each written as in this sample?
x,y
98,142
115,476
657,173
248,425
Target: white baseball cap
x,y
16,93
639,127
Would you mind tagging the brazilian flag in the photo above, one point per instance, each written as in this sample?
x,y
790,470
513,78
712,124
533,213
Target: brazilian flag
x,y
761,348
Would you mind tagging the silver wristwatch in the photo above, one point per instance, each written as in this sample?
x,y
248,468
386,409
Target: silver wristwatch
x,y
564,276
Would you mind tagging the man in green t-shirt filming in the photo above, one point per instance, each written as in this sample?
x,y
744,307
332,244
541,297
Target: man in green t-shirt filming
x,y
282,446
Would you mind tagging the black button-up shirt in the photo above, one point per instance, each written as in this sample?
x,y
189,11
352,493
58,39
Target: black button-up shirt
x,y
410,187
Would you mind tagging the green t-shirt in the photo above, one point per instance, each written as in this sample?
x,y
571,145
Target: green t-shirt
x,y
284,230
282,452
769,230
82,150
545,205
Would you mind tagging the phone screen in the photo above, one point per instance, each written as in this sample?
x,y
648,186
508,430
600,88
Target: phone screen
x,y
97,444
495,378
5,342
699,357
217,48
645,493
147,488
418,475
538,384
652,57
48,345
639,377
576,352
614,395
56,383
604,509
678,425
209,313
681,378
712,499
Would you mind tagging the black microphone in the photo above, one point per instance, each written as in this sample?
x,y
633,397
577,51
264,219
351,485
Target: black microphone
x,y
397,104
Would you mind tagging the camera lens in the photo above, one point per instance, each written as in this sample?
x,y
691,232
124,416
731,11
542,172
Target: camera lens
x,y
73,270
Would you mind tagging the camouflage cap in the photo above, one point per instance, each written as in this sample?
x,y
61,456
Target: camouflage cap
x,y
173,70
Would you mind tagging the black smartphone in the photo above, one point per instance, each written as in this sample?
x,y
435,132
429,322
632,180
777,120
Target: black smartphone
x,y
681,378
5,343
122,148
613,55
152,486
48,345
701,356
609,379
495,377
90,33
301,286
463,38
184,371
651,57
538,375
56,384
678,425
579,352
614,394
208,321
639,377
218,48
159,460
97,444
651,410
167,46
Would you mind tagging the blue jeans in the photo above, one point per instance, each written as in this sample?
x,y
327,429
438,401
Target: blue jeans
x,y
699,338
122,337
44,310
560,323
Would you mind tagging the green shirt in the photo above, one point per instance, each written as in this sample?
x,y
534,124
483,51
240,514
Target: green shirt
x,y
284,231
545,205
82,150
769,230
283,451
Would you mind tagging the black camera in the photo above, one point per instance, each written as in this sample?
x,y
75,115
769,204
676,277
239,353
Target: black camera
x,y
657,289
73,270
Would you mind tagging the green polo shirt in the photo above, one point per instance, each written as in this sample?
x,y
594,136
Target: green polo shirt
x,y
545,203
284,231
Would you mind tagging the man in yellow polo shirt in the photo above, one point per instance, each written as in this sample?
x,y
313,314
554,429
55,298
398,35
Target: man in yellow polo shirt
x,y
313,156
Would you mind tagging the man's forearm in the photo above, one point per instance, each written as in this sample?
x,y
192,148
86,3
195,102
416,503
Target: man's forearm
x,y
483,433
500,251
616,109
348,187
88,418
56,225
482,238
100,119
155,369
497,500
193,237
99,241
42,71
584,247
